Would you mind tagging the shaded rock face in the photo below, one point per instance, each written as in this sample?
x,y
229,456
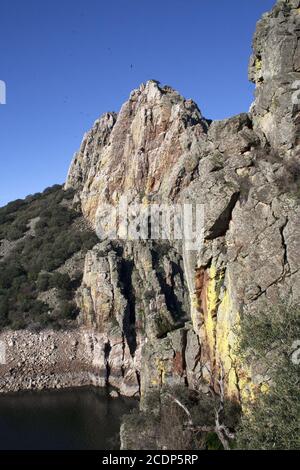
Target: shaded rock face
x,y
132,294
174,312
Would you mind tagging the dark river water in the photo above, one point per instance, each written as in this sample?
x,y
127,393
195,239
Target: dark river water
x,y
64,419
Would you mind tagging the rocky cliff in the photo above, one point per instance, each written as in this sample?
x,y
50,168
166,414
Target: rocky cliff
x,y
153,312
177,310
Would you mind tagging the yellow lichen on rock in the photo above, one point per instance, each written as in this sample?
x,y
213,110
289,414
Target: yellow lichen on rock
x,y
258,65
227,319
221,321
215,320
265,388
212,302
210,328
161,370
212,294
237,376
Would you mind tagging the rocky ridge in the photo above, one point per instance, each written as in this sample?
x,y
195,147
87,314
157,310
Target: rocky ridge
x,y
244,170
163,315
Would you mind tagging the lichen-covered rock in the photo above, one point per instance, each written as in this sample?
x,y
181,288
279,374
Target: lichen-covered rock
x,y
128,294
275,68
150,148
153,313
178,308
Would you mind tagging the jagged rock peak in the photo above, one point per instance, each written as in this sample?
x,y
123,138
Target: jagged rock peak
x,y
152,91
84,160
148,148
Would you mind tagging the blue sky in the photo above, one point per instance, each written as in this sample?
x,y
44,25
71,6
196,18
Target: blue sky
x,y
66,62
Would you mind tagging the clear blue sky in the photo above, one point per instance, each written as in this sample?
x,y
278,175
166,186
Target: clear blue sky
x,y
65,62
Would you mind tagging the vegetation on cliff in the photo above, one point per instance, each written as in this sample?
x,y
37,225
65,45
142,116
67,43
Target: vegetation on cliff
x,y
41,234
182,419
272,419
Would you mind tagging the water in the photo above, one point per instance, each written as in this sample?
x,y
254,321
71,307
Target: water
x,y
61,420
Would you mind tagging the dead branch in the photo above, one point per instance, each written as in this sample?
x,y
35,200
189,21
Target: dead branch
x,y
220,429
182,406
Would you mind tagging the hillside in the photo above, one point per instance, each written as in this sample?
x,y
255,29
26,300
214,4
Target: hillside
x,y
43,244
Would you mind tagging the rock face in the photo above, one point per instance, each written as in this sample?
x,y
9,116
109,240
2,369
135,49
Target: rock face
x,y
245,170
132,296
156,313
274,68
148,151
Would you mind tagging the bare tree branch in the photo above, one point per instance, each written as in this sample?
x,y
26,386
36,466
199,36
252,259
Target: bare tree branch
x,y
220,429
190,421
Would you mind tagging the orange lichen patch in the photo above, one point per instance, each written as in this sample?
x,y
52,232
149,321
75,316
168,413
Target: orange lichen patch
x,y
201,281
150,184
197,301
178,363
208,283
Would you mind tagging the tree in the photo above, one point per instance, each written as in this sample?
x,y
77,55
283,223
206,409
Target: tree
x,y
42,282
59,280
4,309
68,310
219,428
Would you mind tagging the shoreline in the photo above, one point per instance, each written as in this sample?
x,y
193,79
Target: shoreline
x,y
51,360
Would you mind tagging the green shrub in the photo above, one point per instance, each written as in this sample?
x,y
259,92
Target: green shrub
x,y
272,420
4,309
42,282
163,424
14,233
68,310
59,280
65,294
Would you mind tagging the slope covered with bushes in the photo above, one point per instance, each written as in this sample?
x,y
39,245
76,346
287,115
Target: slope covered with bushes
x,y
40,233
